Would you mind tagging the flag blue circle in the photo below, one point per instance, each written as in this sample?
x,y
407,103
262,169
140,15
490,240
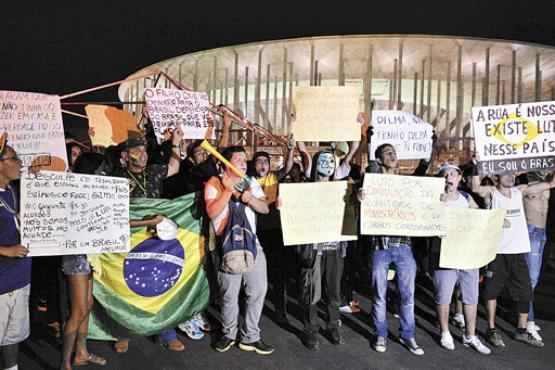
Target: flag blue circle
x,y
154,266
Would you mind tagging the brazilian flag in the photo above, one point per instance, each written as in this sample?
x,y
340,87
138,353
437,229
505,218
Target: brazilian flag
x,y
159,283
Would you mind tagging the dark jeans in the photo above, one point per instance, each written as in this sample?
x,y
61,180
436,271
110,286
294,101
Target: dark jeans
x,y
320,273
279,261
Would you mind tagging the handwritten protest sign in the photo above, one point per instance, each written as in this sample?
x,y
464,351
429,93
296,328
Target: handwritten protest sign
x,y
110,126
326,113
515,137
473,237
402,205
409,134
65,213
35,129
170,108
315,213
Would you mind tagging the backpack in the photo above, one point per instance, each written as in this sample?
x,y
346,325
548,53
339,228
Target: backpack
x,y
238,242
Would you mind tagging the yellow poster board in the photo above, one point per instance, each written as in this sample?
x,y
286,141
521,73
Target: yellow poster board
x,y
326,113
473,237
316,213
402,205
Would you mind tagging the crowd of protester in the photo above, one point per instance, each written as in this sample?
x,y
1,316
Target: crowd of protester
x,y
324,274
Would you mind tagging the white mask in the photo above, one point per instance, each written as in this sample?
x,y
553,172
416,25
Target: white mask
x,y
325,165
166,230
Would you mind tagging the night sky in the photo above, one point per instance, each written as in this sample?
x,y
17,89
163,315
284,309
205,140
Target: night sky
x,y
60,49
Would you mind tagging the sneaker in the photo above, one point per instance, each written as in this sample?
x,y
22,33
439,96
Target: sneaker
x,y
495,338
412,346
447,341
474,342
458,321
259,347
201,322
380,345
531,328
528,339
310,340
223,344
191,328
335,336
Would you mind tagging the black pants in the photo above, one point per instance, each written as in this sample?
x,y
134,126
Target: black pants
x,y
279,262
320,274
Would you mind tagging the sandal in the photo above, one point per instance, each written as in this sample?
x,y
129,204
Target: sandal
x,y
175,345
122,345
92,359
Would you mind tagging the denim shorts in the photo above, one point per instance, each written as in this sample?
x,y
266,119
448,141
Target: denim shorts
x,y
76,265
446,279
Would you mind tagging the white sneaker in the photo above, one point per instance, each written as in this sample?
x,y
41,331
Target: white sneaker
x,y
412,346
536,326
531,329
458,321
474,342
447,341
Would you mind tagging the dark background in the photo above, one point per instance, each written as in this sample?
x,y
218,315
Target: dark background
x,y
59,49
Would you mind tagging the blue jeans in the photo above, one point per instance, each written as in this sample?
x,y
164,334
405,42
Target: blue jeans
x,y
168,335
534,259
405,274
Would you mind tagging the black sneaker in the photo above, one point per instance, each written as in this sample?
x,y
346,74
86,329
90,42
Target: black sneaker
x,y
495,338
310,340
259,347
528,339
223,344
335,336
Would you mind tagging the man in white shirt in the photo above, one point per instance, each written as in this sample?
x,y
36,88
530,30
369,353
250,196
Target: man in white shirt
x,y
509,269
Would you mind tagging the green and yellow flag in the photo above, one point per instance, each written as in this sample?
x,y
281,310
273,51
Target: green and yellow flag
x,y
159,283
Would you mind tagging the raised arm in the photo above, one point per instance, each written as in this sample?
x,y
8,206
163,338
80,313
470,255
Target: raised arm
x,y
539,187
306,158
224,139
175,157
289,156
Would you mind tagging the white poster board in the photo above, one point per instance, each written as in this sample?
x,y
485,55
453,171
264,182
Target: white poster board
x,y
326,113
316,212
410,135
515,137
64,213
171,108
35,128
402,205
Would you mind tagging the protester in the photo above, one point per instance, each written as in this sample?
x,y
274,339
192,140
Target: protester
x,y
223,202
396,250
446,279
79,277
146,181
15,268
269,227
535,207
509,269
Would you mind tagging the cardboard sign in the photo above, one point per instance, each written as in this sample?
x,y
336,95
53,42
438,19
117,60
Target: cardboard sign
x,y
473,237
402,205
110,125
515,137
316,213
65,213
410,136
326,113
170,108
35,129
